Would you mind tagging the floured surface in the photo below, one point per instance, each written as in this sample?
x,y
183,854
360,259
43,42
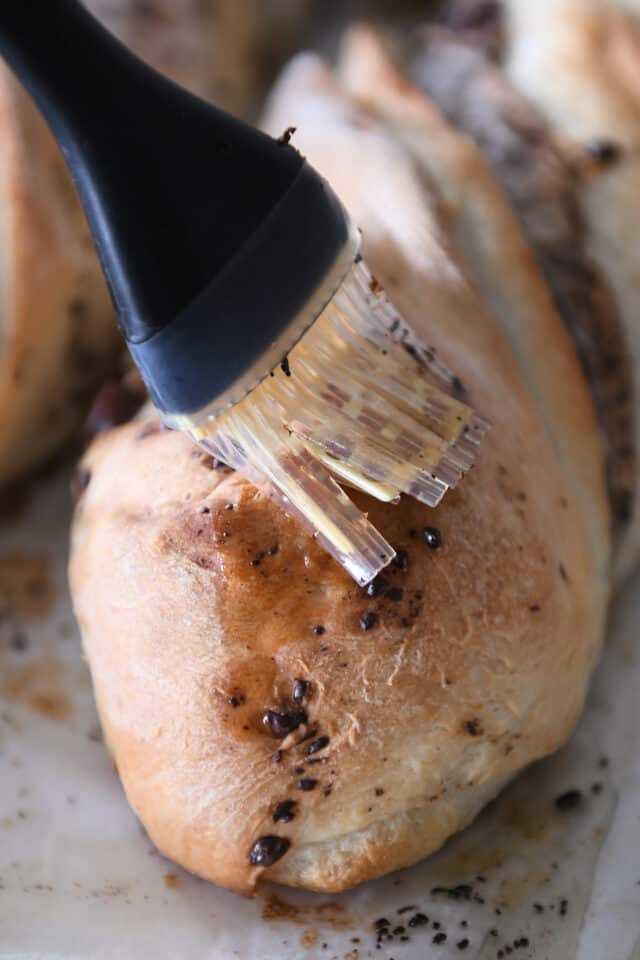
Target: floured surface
x,y
78,877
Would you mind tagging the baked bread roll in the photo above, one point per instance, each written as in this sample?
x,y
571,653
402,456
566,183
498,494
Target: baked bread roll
x,y
58,338
579,62
268,717
474,92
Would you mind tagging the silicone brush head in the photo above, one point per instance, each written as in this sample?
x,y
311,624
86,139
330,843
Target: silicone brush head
x,y
225,254
357,402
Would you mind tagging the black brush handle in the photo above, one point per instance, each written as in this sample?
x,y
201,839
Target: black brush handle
x,y
177,194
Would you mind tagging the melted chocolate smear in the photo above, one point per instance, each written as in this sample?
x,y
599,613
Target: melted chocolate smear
x,y
377,587
300,689
284,811
316,745
432,537
368,620
568,801
306,784
401,560
282,724
267,850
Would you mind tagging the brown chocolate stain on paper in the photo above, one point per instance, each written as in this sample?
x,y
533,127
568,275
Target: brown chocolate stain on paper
x,y
39,686
26,590
330,914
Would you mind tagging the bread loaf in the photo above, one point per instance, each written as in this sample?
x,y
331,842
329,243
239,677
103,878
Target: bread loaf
x,y
267,716
579,63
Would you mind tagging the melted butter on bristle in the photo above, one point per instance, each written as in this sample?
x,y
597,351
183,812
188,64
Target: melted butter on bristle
x,y
360,404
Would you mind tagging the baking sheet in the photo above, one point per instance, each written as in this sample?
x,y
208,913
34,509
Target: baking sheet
x,y
80,879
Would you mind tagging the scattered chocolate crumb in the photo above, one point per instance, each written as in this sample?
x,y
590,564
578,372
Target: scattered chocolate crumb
x,y
397,931
462,891
306,784
435,925
564,906
284,366
282,724
440,938
368,620
318,630
285,137
462,944
380,923
570,800
418,920
19,641
603,763
498,912
432,537
267,850
396,594
596,788
206,510
538,908
234,701
523,942
378,791
377,586
493,932
406,909
284,811
300,689
317,745
473,727
604,152
401,560
500,954
463,923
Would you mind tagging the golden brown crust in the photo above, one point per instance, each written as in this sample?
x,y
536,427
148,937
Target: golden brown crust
x,y
197,617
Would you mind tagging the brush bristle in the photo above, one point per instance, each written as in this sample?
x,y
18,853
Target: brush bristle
x,y
361,398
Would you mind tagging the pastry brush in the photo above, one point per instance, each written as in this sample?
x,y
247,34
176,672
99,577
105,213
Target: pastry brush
x,y
240,291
